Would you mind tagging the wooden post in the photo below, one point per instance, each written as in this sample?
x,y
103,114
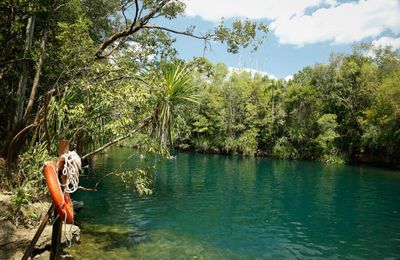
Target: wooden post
x,y
29,250
57,226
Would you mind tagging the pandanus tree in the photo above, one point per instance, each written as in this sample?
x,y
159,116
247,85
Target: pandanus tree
x,y
173,86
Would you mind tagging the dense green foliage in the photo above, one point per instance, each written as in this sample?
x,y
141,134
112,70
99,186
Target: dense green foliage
x,y
344,110
87,71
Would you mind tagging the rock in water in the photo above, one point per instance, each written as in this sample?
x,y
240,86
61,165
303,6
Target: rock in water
x,y
77,205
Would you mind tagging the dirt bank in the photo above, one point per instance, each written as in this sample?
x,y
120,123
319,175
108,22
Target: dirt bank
x,y
15,239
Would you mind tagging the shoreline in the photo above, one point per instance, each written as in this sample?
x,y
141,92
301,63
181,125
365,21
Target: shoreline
x,y
14,239
359,160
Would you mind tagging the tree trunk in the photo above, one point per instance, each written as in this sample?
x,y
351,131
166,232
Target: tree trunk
x,y
35,84
119,139
24,73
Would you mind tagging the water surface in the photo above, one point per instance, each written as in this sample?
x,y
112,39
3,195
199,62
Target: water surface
x,y
225,207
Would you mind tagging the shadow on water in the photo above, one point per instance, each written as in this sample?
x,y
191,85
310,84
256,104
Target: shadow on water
x,y
110,237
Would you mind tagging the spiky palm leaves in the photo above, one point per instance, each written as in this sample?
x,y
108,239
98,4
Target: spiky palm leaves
x,y
174,87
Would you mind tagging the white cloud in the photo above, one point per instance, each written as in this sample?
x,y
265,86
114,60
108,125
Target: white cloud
x,y
387,41
254,9
329,21
288,77
345,23
253,72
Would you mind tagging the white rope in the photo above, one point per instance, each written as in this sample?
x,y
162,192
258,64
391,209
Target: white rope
x,y
67,240
72,166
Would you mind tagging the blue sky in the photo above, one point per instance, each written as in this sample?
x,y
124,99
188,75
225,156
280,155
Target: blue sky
x,y
302,32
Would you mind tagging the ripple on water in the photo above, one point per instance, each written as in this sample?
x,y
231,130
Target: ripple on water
x,y
220,207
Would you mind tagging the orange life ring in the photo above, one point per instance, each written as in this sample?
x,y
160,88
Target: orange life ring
x,y
61,201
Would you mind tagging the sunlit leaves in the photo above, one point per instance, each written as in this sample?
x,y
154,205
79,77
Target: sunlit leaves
x,y
172,86
241,34
139,179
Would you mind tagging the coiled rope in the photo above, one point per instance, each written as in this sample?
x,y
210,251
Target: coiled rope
x,y
72,166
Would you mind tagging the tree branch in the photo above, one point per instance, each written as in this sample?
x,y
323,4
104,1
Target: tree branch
x,y
156,27
126,19
98,182
119,139
136,11
105,55
110,143
135,26
105,176
21,133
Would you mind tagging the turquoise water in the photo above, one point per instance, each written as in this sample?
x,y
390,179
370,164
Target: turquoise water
x,y
223,207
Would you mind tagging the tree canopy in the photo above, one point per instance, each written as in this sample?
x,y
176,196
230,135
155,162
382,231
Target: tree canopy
x,y
81,70
100,72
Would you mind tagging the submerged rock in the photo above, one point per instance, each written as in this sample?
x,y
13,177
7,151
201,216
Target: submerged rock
x,y
78,205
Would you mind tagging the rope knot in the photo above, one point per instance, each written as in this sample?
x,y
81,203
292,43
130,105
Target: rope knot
x,y
72,166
